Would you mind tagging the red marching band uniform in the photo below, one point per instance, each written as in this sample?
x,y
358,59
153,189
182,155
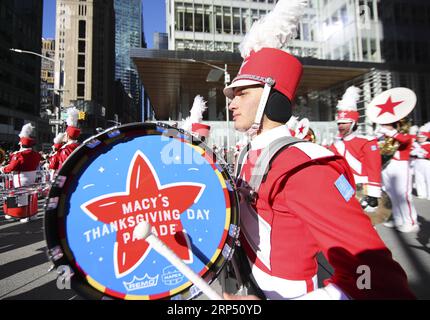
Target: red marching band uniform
x,y
388,110
305,205
54,157
23,165
361,152
72,134
421,150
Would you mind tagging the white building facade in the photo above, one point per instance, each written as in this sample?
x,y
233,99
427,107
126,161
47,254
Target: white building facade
x,y
330,29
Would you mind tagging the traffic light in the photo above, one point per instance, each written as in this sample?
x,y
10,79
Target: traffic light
x,y
81,115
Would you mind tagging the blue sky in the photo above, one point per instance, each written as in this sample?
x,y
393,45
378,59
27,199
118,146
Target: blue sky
x,y
154,18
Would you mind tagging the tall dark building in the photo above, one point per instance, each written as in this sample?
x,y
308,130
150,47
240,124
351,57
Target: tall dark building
x,y
85,43
128,31
406,48
20,27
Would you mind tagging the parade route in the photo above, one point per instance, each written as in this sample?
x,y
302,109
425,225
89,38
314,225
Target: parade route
x,y
24,267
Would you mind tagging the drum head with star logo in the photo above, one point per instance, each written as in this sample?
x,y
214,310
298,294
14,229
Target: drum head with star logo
x,y
133,173
391,105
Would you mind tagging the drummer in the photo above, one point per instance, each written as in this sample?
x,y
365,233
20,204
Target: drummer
x,y
306,203
24,162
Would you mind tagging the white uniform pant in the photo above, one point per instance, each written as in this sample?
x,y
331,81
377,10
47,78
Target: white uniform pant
x,y
397,182
422,178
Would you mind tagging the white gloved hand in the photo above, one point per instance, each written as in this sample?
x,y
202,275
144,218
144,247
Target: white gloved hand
x,y
385,131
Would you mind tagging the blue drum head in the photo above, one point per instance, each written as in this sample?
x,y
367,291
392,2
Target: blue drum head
x,y
133,173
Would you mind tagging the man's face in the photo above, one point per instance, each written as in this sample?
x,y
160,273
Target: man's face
x,y
344,128
244,106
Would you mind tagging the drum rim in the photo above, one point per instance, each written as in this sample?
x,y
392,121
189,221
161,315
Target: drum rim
x,y
55,224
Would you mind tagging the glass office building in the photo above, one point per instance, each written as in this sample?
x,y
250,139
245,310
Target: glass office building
x,y
128,34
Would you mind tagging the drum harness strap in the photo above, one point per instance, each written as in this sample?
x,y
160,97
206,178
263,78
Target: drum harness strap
x,y
239,262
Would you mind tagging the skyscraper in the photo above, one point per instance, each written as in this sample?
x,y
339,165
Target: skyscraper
x,y
128,34
85,43
20,28
47,77
160,41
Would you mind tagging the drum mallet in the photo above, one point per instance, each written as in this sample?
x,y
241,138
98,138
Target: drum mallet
x,y
143,231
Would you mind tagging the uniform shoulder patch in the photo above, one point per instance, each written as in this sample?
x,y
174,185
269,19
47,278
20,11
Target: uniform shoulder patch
x,y
344,187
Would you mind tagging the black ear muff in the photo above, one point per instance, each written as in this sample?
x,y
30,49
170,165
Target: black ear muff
x,y
278,107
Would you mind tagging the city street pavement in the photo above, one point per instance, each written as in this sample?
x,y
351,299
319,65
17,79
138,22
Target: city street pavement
x,y
24,267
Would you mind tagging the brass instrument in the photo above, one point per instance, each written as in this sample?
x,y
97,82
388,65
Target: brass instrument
x,y
389,145
311,136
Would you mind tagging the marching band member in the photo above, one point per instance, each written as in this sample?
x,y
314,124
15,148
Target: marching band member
x,y
421,151
24,162
54,157
389,110
306,202
361,152
70,137
193,123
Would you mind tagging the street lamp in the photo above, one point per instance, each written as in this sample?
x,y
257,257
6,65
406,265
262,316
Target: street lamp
x,y
226,82
60,83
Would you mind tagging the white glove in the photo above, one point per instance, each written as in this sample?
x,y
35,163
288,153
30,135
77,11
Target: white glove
x,y
1,169
385,131
418,152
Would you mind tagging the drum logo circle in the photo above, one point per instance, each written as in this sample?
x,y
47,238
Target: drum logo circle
x,y
185,202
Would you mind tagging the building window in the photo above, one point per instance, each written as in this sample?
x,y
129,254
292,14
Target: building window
x,y
188,20
81,46
82,29
236,21
227,20
81,90
81,61
81,75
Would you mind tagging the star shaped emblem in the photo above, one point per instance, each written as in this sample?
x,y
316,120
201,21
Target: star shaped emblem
x,y
146,199
301,129
388,106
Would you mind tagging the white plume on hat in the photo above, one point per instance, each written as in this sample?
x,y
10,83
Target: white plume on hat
x,y
349,99
196,113
292,122
72,117
59,138
277,28
26,131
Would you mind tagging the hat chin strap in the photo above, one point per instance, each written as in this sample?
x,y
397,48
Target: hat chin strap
x,y
252,132
350,129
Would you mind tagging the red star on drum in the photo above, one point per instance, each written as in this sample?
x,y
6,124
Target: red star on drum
x,y
145,199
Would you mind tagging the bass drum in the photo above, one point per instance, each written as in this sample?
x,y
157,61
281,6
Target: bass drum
x,y
128,174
